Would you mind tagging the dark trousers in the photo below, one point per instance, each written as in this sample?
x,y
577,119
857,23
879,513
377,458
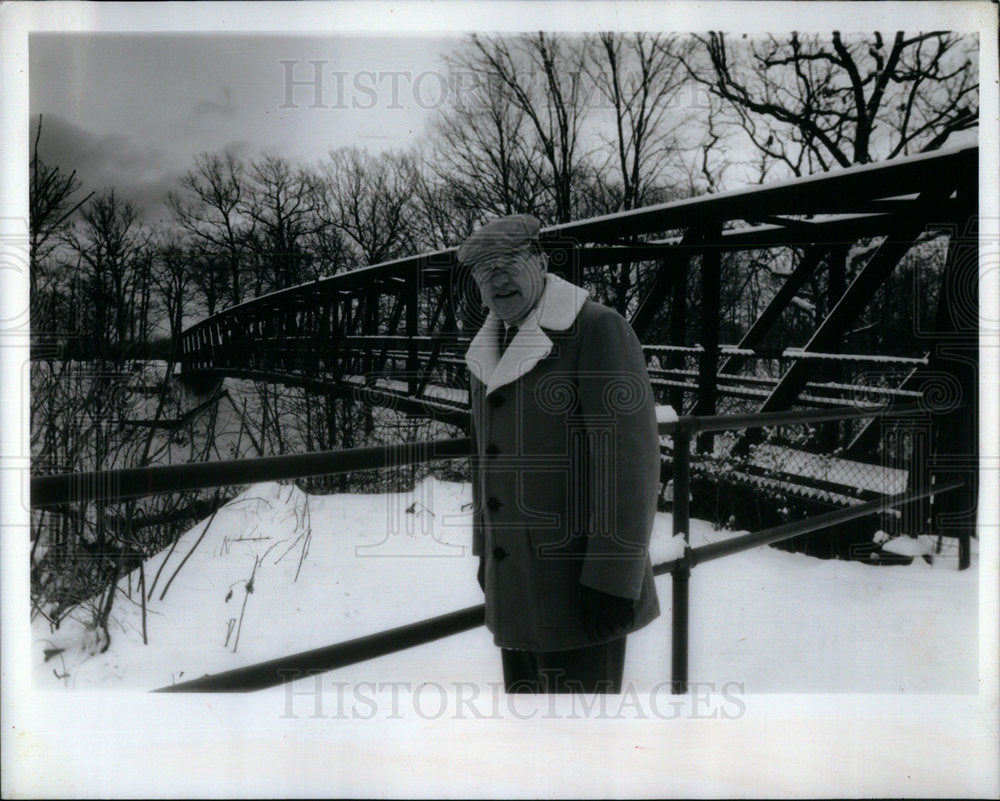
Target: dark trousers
x,y
592,669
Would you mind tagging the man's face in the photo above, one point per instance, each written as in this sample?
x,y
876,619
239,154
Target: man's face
x,y
511,285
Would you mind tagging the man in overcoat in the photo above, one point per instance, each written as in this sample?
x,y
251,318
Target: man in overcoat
x,y
565,469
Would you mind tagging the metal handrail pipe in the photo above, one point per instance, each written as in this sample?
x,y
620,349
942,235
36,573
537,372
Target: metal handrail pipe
x,y
319,660
768,536
734,422
134,482
716,550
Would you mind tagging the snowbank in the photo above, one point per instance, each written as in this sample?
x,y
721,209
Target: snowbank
x,y
666,414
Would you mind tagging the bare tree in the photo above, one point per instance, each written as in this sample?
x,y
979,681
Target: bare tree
x,y
640,77
480,152
51,205
172,278
212,212
282,201
50,202
368,199
209,279
113,254
541,75
807,103
329,252
442,213
811,102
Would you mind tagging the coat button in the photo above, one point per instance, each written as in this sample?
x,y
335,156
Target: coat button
x,y
492,449
499,553
493,504
494,399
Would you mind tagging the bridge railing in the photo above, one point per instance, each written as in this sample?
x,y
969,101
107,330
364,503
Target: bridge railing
x,y
115,485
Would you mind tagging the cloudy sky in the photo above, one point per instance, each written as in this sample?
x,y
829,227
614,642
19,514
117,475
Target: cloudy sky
x,y
132,110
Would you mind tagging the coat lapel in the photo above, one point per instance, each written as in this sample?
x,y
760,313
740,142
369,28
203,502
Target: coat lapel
x,y
557,309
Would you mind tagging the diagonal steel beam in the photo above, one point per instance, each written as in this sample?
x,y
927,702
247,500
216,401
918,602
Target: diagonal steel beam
x,y
399,303
412,307
439,338
783,297
678,260
870,431
900,239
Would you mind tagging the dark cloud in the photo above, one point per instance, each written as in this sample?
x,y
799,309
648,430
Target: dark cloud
x,y
141,174
239,147
226,108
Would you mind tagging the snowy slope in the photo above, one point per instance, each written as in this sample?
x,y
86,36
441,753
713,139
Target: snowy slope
x,y
324,569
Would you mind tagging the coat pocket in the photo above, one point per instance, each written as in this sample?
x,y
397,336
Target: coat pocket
x,y
560,593
553,524
543,500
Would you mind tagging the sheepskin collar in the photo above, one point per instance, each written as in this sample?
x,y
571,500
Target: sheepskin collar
x,y
558,307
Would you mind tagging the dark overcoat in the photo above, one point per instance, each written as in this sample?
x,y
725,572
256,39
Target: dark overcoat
x,y
566,468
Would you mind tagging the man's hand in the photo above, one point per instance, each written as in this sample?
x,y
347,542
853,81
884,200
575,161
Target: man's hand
x,y
481,573
604,615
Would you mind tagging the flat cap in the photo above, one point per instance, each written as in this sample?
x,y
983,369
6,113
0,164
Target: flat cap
x,y
500,237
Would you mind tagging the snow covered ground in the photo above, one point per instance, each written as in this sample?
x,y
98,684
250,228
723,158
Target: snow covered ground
x,y
808,678
276,572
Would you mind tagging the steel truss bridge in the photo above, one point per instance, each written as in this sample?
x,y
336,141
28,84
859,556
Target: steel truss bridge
x,y
395,333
